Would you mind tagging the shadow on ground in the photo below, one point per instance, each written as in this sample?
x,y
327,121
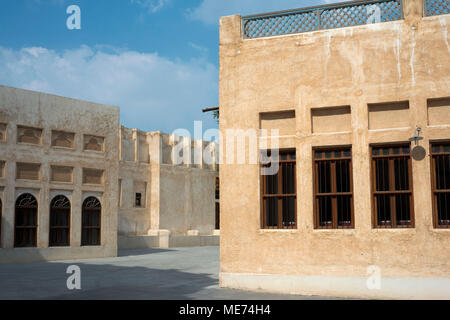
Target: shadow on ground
x,y
147,274
141,252
114,282
101,281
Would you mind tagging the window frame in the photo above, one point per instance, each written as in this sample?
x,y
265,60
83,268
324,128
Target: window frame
x,y
217,216
56,131
434,190
89,210
28,227
217,189
391,193
138,200
280,196
67,227
333,194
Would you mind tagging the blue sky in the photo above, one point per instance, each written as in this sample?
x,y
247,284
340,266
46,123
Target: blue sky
x,y
156,59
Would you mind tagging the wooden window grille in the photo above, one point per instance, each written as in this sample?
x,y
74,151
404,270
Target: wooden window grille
x,y
333,188
25,231
91,222
392,186
59,235
217,189
279,192
440,166
217,221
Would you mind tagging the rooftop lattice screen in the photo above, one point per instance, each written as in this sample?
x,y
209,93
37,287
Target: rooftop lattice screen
x,y
322,18
436,7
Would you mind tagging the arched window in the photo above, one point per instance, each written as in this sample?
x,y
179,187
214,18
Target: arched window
x,y
26,221
91,219
59,222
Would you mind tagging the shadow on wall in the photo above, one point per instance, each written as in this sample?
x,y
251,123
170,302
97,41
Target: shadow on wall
x,y
98,282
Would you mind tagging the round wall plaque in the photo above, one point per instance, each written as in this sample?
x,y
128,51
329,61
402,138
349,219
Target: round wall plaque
x,y
419,153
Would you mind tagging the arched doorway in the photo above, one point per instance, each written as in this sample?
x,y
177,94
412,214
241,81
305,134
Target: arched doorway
x,y
59,235
91,222
25,229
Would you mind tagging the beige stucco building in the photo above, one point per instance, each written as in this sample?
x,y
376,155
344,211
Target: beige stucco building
x,y
51,147
165,202
354,200
75,184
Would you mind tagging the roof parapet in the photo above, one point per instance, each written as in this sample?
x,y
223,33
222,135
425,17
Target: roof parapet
x,y
323,17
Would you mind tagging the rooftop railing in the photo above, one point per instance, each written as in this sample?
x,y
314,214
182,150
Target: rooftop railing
x,y
435,7
339,15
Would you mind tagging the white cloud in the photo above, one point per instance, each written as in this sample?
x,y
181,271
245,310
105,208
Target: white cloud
x,y
210,11
152,5
154,93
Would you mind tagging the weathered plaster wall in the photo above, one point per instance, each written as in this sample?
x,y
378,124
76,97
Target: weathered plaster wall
x,y
48,112
406,60
178,198
135,176
187,199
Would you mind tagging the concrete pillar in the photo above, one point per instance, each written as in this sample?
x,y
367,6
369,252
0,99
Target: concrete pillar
x,y
44,208
136,145
120,143
413,10
9,206
361,164
198,154
230,30
155,148
76,214
163,237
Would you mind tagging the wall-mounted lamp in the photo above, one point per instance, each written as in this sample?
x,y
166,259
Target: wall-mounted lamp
x,y
418,153
416,138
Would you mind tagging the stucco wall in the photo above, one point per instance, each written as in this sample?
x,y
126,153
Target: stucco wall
x,y
178,198
135,176
187,199
48,112
407,60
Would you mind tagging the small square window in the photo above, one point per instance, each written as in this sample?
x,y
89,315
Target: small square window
x,y
138,202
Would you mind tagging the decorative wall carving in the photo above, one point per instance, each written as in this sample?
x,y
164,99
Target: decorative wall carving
x,y
92,176
28,171
63,139
93,143
29,135
62,174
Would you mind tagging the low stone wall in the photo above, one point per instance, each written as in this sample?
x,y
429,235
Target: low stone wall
x,y
344,287
193,241
167,241
28,255
138,242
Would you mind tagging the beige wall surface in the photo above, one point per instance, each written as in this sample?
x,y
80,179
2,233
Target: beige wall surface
x,y
135,176
187,199
48,113
406,60
177,198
